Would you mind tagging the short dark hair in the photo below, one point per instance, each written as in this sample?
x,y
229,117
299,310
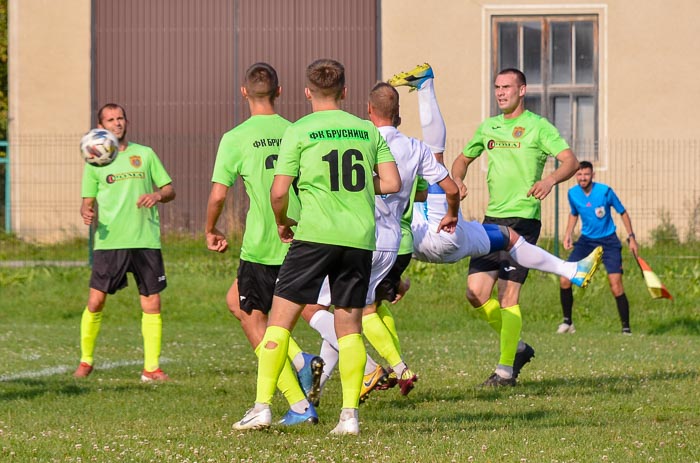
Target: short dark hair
x,y
585,165
384,99
110,106
326,76
519,75
261,81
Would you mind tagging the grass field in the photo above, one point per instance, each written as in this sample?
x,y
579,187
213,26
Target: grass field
x,y
592,396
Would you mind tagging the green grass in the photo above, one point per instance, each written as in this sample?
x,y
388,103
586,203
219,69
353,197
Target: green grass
x,y
592,396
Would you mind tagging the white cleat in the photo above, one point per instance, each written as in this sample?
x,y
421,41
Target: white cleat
x,y
349,424
255,418
566,328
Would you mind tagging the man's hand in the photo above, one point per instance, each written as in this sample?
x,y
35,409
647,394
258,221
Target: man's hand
x,y
148,200
541,189
216,241
567,242
462,188
88,214
284,230
448,224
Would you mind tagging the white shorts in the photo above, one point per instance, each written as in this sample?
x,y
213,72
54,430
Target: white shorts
x,y
429,245
382,261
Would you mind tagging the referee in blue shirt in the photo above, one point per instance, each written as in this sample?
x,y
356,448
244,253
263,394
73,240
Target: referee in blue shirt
x,y
593,202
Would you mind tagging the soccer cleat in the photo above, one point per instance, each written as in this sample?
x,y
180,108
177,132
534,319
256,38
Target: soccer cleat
x,y
627,331
497,381
413,78
291,417
586,267
407,380
255,419
371,381
83,370
566,328
310,377
391,380
347,425
155,375
521,358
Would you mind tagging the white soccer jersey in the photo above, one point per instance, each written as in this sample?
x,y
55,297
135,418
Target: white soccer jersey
x,y
413,157
429,245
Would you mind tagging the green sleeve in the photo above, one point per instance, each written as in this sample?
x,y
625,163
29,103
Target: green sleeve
x,y
227,164
550,141
475,146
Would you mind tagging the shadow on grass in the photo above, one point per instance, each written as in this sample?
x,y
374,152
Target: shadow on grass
x,y
30,389
684,325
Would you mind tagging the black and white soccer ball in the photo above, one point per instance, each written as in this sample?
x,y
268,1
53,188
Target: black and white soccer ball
x,y
99,147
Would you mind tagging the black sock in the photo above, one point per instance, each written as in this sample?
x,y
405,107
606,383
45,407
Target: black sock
x,y
566,296
623,308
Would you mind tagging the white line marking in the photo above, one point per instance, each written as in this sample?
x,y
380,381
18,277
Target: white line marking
x,y
61,369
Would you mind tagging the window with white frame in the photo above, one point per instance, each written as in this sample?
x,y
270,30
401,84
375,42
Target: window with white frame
x,y
559,56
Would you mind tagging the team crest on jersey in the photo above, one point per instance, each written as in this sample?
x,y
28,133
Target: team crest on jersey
x,y
600,212
135,161
518,132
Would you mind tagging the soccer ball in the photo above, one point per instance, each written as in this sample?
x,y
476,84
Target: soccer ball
x,y
99,147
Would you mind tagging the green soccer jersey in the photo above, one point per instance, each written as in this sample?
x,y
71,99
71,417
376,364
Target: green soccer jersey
x,y
250,150
333,155
117,187
517,151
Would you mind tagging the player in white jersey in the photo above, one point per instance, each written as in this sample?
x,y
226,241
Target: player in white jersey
x,y
472,239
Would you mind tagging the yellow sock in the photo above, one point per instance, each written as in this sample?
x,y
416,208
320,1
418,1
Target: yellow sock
x,y
379,336
89,329
388,320
288,384
271,362
510,334
351,365
491,313
152,331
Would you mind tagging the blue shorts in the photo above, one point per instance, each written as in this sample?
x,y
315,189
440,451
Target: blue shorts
x,y
612,251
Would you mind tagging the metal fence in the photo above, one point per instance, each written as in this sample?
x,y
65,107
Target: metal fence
x,y
655,179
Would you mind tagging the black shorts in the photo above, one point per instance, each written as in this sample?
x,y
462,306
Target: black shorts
x,y
307,264
389,286
109,268
508,269
256,285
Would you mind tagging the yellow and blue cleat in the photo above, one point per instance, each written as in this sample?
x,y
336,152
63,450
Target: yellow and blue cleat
x,y
413,78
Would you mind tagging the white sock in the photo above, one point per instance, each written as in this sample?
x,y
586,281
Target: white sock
x,y
300,407
504,371
298,361
370,366
431,121
531,256
330,359
324,322
399,368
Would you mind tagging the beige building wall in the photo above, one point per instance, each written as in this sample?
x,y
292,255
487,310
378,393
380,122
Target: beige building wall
x,y
648,68
49,80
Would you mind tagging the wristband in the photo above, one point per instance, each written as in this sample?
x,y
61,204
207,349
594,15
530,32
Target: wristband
x,y
631,235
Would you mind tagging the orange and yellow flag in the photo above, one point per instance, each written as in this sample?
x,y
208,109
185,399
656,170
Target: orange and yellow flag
x,y
656,289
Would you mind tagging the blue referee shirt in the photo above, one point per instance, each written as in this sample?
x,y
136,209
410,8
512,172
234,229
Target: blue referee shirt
x,y
594,209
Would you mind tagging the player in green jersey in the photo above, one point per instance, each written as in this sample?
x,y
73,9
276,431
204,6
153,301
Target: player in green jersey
x,y
333,156
518,143
127,238
250,150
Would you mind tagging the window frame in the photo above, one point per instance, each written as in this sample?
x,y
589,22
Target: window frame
x,y
546,90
